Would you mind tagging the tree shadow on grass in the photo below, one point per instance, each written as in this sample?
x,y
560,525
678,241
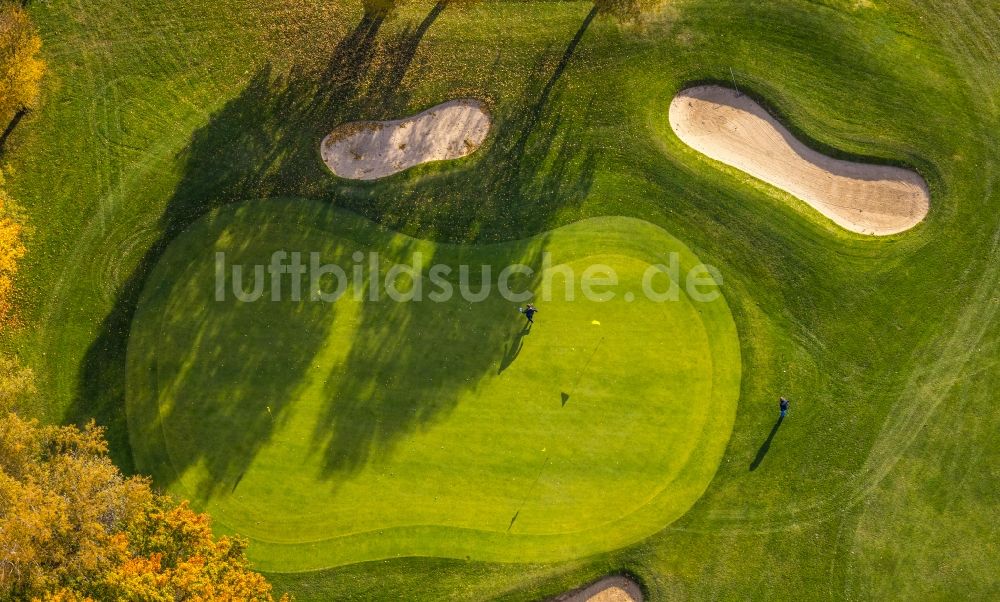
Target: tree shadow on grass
x,y
411,363
226,371
531,169
263,143
384,92
234,157
396,379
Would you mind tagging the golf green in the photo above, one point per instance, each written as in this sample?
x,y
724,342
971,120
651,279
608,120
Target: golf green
x,y
330,431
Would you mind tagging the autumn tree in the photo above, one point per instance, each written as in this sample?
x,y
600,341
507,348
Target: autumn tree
x,y
20,73
12,249
20,67
72,527
16,383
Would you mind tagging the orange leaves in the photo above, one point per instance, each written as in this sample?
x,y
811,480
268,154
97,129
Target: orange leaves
x,y
60,501
184,558
20,76
139,578
12,249
188,563
72,528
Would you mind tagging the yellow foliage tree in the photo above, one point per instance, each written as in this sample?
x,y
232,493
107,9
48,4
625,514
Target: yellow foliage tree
x,y
16,382
12,249
73,528
20,68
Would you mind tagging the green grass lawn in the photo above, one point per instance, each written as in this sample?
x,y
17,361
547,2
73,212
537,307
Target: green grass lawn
x,y
880,484
331,432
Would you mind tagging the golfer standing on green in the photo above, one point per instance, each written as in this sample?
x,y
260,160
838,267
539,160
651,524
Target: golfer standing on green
x,y
783,406
529,312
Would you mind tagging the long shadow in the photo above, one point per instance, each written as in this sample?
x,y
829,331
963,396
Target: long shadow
x,y
766,445
531,168
411,363
536,110
234,157
263,144
513,349
223,378
395,379
11,126
385,89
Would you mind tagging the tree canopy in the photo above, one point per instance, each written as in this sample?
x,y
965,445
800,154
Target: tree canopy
x,y
73,528
12,249
21,68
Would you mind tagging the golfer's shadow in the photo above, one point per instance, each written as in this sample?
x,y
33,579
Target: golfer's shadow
x,y
766,446
514,349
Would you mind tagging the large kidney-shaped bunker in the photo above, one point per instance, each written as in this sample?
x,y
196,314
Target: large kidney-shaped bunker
x,y
861,197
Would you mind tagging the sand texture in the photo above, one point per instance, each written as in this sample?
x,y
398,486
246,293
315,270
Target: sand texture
x,y
732,128
368,150
609,589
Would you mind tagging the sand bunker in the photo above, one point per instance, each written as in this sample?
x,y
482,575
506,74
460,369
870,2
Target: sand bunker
x,y
732,128
609,589
367,150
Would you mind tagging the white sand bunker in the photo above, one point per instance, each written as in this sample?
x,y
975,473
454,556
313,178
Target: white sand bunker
x,y
367,150
609,589
732,128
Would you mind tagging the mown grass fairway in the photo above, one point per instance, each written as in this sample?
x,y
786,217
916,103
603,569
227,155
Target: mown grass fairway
x,y
882,482
335,432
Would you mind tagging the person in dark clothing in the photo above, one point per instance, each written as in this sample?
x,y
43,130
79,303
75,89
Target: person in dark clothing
x,y
783,405
529,312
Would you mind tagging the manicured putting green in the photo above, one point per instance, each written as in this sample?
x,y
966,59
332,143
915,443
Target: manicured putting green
x,y
336,432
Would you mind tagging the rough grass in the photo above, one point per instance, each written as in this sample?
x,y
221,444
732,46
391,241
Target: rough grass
x,y
876,484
